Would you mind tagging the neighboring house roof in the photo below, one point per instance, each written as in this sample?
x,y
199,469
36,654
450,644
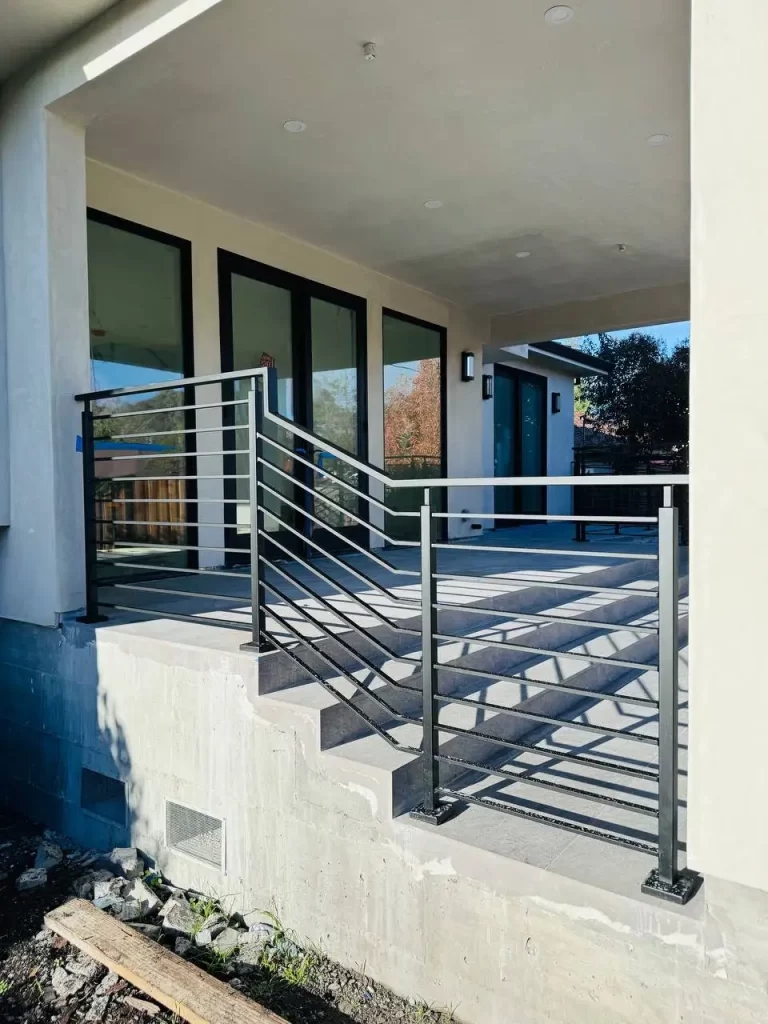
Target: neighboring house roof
x,y
586,363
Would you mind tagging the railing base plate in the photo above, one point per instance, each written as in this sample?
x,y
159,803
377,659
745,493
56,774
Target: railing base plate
x,y
684,889
437,815
258,648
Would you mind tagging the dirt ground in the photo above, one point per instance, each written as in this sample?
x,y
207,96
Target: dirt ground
x,y
292,979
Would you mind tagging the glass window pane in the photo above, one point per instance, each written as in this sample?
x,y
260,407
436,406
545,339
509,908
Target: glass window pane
x,y
262,335
136,331
412,412
334,402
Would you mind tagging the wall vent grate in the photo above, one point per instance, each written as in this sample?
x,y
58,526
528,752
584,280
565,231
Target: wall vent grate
x,y
103,795
192,832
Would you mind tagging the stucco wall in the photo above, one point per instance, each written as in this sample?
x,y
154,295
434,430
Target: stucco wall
x,y
728,828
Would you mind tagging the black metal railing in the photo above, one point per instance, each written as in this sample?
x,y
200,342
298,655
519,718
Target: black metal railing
x,y
313,573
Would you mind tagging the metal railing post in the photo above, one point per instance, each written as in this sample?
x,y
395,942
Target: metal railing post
x,y
431,809
667,881
258,641
89,520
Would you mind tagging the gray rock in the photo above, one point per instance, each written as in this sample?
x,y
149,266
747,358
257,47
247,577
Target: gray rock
x,y
130,911
48,855
109,903
212,926
65,984
84,885
98,1008
31,879
258,934
140,893
84,966
180,919
151,931
107,982
127,861
226,941
249,955
182,946
44,935
108,887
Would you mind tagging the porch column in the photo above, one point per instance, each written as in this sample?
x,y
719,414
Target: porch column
x,y
728,785
44,267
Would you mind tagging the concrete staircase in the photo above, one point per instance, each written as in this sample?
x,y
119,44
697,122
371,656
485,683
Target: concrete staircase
x,y
350,682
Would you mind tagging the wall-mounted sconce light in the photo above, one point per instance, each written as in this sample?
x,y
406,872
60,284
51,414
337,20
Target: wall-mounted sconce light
x,y
467,366
555,401
487,385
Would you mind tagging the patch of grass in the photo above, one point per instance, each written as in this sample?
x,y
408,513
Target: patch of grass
x,y
5,986
204,907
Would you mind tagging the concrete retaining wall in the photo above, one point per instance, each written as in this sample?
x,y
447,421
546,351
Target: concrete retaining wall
x,y
439,914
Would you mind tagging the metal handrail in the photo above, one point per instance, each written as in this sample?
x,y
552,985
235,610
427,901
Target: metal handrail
x,y
309,629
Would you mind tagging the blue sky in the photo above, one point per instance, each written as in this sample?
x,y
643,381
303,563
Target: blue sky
x,y
670,334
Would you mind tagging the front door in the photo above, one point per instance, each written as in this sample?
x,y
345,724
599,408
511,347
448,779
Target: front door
x,y
315,338
520,441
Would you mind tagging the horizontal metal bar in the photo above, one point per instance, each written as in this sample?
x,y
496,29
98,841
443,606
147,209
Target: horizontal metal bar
x,y
626,556
170,433
597,659
171,408
169,568
556,755
326,657
156,613
357,599
539,617
544,518
558,787
176,385
173,547
177,501
197,476
583,830
330,476
381,562
536,716
182,523
180,593
396,601
339,508
339,696
549,584
165,455
579,691
352,625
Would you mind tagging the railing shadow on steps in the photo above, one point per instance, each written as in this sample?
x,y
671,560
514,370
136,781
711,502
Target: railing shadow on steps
x,y
501,702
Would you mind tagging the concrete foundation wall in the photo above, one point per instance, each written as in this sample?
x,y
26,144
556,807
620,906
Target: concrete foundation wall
x,y
502,941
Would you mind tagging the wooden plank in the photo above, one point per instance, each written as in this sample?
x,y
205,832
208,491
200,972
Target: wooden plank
x,y
182,987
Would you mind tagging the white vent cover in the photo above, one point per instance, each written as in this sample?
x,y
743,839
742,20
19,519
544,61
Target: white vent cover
x,y
194,833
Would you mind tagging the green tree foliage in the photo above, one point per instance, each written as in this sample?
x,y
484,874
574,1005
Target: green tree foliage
x,y
644,398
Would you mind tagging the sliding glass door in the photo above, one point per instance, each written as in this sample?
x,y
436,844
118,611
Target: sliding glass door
x,y
314,337
414,412
520,440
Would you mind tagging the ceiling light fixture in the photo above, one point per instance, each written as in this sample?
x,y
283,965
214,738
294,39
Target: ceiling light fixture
x,y
558,15
621,247
294,126
369,51
523,255
657,140
433,204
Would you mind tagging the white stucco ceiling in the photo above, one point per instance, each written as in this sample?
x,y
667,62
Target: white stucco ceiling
x,y
533,137
27,27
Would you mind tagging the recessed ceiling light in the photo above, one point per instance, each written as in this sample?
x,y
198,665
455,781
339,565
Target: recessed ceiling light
x,y
523,255
433,204
657,140
621,247
294,126
558,15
